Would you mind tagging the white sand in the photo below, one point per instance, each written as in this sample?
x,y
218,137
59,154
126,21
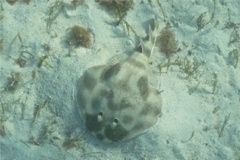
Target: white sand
x,y
197,121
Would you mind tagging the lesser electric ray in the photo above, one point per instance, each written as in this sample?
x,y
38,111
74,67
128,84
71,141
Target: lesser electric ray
x,y
117,102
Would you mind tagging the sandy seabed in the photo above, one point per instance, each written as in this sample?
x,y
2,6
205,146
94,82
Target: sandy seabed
x,y
200,82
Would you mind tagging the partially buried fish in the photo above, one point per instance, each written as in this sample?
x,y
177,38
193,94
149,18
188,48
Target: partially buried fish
x,y
117,102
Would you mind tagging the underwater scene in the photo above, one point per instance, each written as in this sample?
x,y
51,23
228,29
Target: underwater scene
x,y
119,80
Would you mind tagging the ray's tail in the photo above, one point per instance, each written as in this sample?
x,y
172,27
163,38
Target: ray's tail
x,y
147,47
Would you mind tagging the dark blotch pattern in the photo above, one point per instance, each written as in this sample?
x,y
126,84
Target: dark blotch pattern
x,y
93,124
142,85
111,71
109,95
100,136
96,104
81,100
88,81
115,134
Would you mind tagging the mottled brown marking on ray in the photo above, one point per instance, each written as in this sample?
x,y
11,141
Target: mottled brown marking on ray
x,y
92,123
111,71
88,81
96,104
81,100
142,85
100,136
115,134
109,95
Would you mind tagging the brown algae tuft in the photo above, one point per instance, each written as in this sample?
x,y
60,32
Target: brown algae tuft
x,y
167,42
120,7
78,36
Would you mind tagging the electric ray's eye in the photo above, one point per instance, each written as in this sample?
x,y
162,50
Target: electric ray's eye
x,y
100,113
115,120
100,117
114,123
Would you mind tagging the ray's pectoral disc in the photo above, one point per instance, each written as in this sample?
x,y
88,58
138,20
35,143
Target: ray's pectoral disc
x,y
117,102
